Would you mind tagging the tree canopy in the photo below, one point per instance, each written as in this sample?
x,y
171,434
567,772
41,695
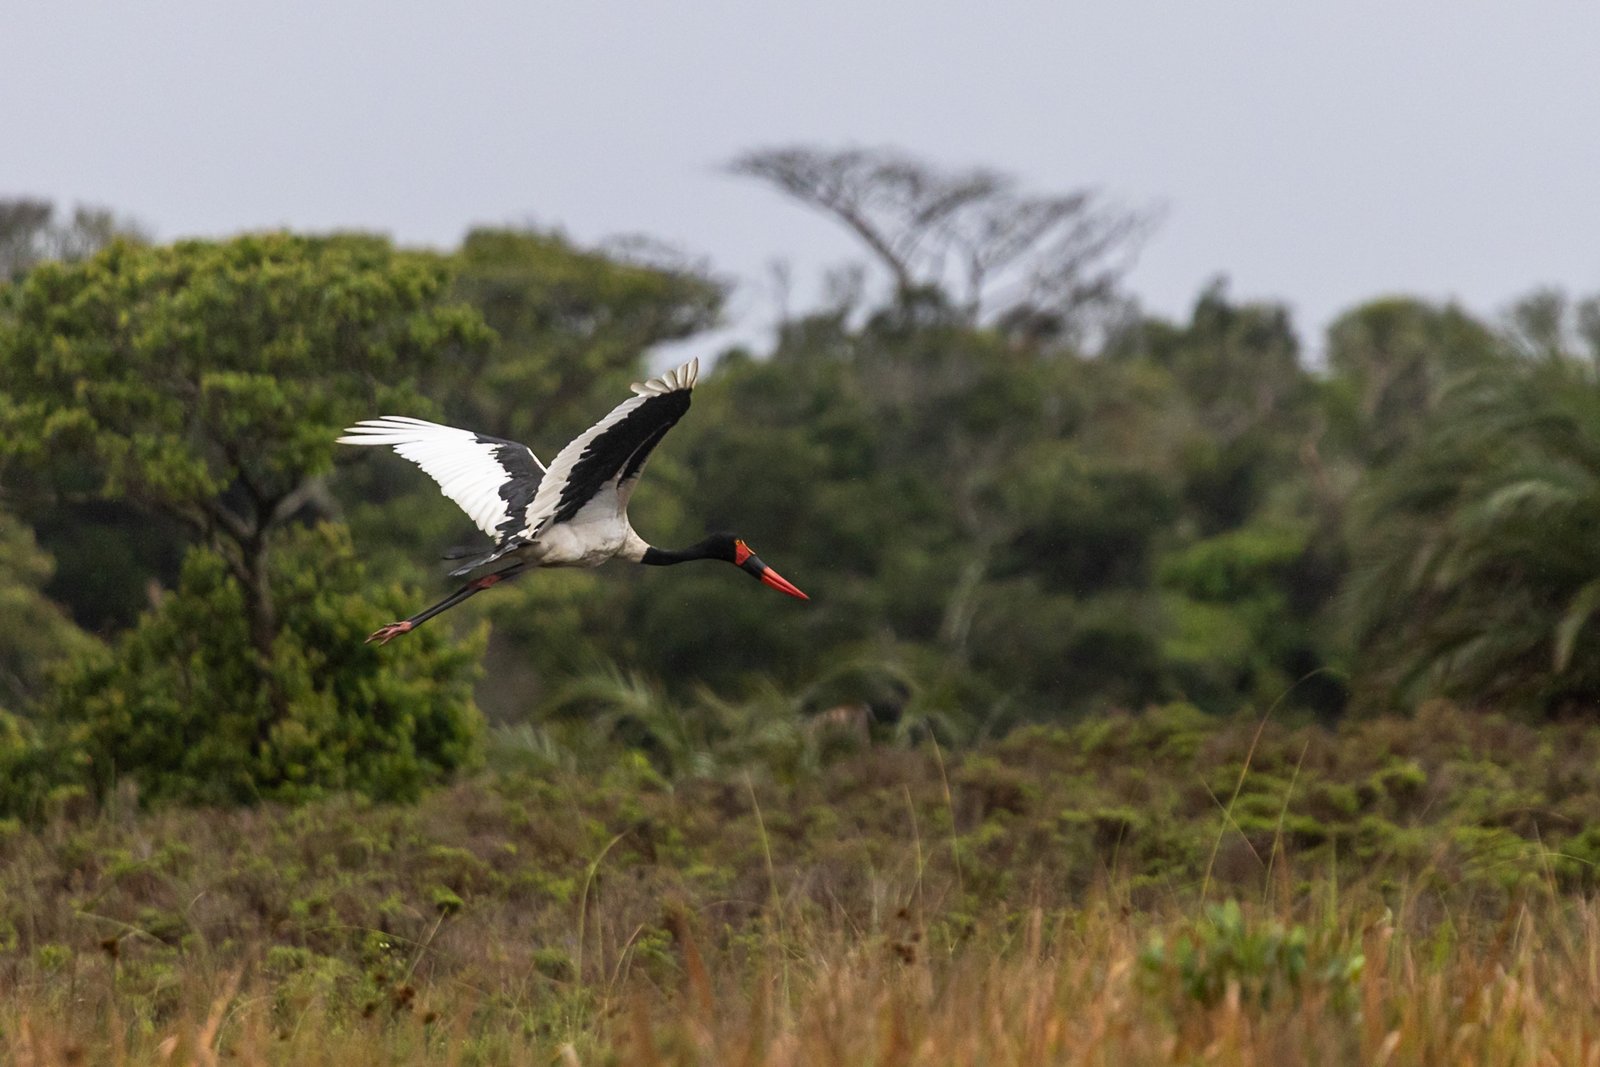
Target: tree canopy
x,y
1001,515
205,381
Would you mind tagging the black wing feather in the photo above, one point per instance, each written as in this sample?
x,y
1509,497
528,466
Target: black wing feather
x,y
522,483
620,452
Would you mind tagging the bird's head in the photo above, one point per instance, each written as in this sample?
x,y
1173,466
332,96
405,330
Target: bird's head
x,y
726,546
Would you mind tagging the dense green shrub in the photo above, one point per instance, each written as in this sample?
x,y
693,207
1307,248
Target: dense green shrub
x,y
1264,959
184,705
36,631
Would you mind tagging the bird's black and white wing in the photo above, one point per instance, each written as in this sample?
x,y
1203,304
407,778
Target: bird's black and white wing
x,y
605,460
492,479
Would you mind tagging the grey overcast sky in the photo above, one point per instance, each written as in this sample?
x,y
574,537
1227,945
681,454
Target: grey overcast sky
x,y
1318,153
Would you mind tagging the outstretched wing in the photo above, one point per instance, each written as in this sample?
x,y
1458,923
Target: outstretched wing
x,y
609,456
492,479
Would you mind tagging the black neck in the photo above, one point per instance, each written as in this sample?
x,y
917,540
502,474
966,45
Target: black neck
x,y
666,557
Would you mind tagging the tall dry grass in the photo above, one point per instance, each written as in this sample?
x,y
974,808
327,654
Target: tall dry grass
x,y
1080,986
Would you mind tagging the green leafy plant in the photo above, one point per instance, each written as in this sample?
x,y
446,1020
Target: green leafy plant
x,y
1265,960
179,703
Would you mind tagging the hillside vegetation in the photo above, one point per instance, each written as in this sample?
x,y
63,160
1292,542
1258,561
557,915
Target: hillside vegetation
x,y
1167,887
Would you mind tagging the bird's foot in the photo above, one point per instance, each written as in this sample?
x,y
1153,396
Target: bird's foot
x,y
388,633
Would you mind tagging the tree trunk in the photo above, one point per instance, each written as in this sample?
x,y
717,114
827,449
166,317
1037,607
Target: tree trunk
x,y
258,601
263,621
243,543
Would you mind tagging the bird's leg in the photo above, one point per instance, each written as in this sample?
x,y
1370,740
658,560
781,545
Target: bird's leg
x,y
388,633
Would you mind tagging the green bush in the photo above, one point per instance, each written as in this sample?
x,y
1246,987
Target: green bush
x,y
186,706
37,632
1264,959
19,781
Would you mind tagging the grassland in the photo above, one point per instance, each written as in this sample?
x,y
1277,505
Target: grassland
x,y
1163,888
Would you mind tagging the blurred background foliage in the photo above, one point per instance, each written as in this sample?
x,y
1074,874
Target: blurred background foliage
x,y
1012,496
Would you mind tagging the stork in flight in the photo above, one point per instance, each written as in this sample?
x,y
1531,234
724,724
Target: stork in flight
x,y
573,513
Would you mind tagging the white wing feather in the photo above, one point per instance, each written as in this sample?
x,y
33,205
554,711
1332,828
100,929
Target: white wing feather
x,y
464,466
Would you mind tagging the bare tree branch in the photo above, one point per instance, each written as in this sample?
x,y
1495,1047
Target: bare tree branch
x,y
1053,254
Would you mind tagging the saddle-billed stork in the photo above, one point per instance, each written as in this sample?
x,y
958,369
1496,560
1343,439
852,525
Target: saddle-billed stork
x,y
573,513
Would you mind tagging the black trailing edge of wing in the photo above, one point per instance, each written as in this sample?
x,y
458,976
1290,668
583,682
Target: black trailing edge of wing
x,y
521,483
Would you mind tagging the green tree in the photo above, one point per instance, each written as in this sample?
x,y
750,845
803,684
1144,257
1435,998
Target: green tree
x,y
176,704
1252,554
1244,404
37,633
207,380
107,553
1392,361
572,325
982,510
1476,564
